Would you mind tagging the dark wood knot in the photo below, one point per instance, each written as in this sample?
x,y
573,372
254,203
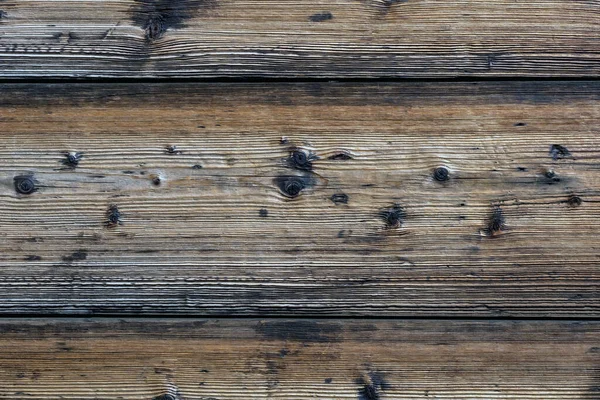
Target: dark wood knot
x,y
441,174
293,186
24,184
574,201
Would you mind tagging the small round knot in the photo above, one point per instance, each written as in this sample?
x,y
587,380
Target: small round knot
x,y
156,181
24,184
574,201
292,187
441,174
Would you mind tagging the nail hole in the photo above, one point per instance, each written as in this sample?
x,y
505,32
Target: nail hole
x,y
156,181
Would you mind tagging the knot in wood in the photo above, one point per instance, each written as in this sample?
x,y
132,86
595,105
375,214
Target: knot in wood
x,y
155,27
441,174
24,184
574,201
293,186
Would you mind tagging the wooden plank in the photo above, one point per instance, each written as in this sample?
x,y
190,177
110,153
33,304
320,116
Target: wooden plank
x,y
300,359
177,202
310,38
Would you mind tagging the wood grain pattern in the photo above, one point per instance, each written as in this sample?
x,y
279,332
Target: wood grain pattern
x,y
169,199
310,38
298,359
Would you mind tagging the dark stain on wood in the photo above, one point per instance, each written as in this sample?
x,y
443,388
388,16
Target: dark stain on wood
x,y
78,255
72,159
113,216
157,16
320,17
558,152
393,217
550,177
520,124
328,380
197,166
263,212
496,222
33,258
25,184
299,330
339,198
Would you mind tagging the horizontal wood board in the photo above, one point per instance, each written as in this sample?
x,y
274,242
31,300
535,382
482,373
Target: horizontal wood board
x,y
298,359
292,39
176,199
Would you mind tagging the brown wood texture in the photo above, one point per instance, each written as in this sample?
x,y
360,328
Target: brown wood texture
x,y
298,359
310,38
171,199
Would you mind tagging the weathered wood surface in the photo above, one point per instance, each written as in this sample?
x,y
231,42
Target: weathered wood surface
x,y
298,359
310,38
170,199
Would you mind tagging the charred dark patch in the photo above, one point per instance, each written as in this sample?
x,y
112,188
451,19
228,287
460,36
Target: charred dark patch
x,y
263,212
393,216
78,255
291,185
372,384
496,222
574,201
197,166
339,198
551,177
301,159
441,174
156,16
320,17
302,331
113,216
72,159
558,152
342,156
172,150
25,184
33,258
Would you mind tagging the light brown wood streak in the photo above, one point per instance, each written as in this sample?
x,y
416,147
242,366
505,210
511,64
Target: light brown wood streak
x,y
197,243
298,359
264,38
